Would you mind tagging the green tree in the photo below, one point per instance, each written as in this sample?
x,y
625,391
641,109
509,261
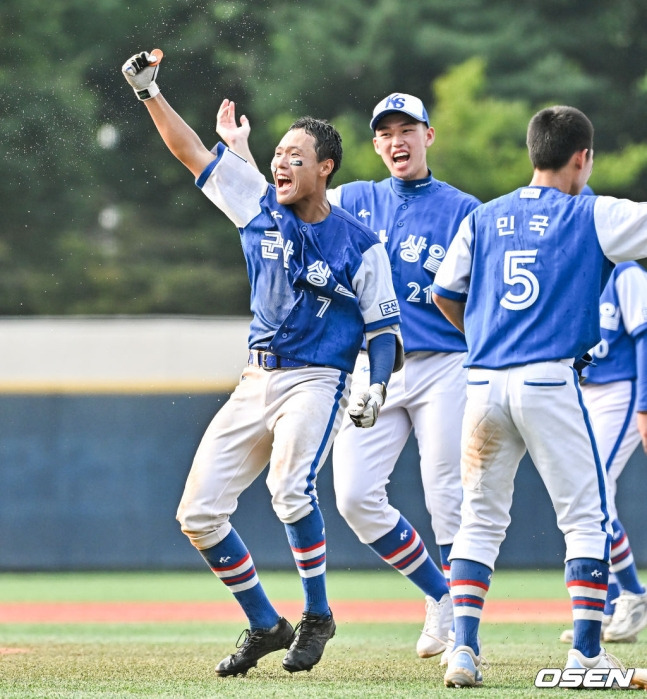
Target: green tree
x,y
480,139
99,218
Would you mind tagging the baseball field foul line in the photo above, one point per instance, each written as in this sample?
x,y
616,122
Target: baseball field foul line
x,y
496,611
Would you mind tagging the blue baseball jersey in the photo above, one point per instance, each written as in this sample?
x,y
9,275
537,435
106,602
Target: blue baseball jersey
x,y
316,288
531,266
623,327
416,221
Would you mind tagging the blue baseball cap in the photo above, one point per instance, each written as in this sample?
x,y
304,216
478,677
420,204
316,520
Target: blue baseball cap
x,y
399,102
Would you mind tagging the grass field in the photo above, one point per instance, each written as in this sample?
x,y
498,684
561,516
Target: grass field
x,y
177,659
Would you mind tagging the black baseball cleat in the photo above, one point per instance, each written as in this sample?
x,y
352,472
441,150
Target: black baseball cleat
x,y
311,635
256,644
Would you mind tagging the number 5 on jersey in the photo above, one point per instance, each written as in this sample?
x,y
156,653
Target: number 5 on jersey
x,y
514,273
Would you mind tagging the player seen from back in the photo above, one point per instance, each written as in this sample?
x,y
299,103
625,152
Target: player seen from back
x,y
320,283
416,216
523,278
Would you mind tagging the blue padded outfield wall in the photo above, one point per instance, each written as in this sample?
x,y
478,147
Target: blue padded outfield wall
x,y
90,479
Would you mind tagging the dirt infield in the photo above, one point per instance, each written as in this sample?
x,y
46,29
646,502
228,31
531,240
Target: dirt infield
x,y
496,611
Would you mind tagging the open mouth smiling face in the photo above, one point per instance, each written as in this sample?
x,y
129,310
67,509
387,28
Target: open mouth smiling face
x,y
283,183
293,166
400,156
402,143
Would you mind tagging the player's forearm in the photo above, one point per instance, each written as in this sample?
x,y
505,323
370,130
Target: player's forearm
x,y
454,311
179,137
381,355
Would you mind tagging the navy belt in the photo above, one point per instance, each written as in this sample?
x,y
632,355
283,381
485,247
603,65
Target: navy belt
x,y
269,361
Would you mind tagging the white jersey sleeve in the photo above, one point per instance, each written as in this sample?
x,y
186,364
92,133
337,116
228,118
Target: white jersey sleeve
x,y
453,275
373,287
631,288
621,225
334,195
233,185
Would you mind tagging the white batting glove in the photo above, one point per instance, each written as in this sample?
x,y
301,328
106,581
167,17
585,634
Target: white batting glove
x,y
367,405
140,71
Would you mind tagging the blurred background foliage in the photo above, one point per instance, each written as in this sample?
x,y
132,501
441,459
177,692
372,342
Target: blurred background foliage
x,y
98,218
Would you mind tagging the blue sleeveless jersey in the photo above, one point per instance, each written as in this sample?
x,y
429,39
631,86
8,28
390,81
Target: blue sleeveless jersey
x,y
416,221
316,288
534,268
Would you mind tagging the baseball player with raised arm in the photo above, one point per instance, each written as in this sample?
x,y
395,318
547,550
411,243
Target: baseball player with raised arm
x,y
320,283
614,388
510,280
416,216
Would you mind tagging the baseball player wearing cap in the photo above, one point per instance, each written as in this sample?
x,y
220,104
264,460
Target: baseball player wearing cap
x,y
416,216
614,389
508,280
320,283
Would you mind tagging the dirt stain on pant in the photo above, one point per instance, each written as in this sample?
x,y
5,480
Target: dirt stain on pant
x,y
480,448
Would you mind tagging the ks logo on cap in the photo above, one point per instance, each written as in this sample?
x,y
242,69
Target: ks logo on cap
x,y
400,102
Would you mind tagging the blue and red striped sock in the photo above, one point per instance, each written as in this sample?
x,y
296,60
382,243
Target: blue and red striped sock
x,y
403,549
586,581
470,582
308,542
623,564
445,550
232,563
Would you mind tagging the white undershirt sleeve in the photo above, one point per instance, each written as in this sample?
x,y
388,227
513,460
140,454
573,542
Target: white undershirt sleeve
x,y
621,226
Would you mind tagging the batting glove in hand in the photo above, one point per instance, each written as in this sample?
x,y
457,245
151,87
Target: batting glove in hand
x,y
367,406
140,71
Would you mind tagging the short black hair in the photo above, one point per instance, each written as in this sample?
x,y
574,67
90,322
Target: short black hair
x,y
327,141
555,133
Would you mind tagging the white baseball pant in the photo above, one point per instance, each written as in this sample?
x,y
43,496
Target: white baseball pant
x,y
287,417
616,431
535,407
428,395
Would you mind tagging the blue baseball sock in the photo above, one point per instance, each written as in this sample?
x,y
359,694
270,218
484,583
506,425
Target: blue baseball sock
x,y
308,542
232,563
622,560
445,550
586,580
470,582
403,549
613,590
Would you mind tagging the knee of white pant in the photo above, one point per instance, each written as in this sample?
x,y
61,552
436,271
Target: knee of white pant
x,y
290,506
370,520
291,513
202,529
353,508
348,503
445,526
477,544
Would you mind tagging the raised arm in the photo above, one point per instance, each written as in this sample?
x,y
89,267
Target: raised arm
x,y
234,136
140,71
